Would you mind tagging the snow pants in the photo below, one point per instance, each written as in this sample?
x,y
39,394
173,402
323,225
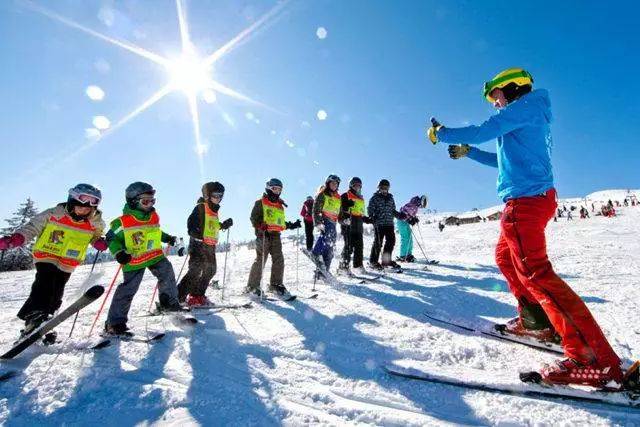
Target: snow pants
x,y
202,268
406,238
326,243
46,292
388,234
308,232
122,297
268,244
353,244
521,255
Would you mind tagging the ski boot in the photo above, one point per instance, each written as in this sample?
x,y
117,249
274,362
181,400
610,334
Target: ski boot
x,y
198,301
32,322
255,294
361,270
394,266
401,259
117,330
410,258
376,266
570,371
343,268
515,327
280,292
167,306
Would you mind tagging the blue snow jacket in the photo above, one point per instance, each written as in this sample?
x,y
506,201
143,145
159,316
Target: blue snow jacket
x,y
523,147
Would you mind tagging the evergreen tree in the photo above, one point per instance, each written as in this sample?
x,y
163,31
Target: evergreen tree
x,y
20,258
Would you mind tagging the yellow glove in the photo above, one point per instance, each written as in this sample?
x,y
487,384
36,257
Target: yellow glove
x,y
432,133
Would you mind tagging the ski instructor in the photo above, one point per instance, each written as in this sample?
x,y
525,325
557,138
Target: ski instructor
x,y
546,304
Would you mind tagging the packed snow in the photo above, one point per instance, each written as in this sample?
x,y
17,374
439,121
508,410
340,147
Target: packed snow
x,y
318,361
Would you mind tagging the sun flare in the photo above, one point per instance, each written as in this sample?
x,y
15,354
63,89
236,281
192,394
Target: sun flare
x,y
190,74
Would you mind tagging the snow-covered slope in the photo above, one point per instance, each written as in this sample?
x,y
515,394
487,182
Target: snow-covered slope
x,y
318,361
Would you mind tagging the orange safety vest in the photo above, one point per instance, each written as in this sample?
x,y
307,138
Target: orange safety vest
x,y
142,238
331,207
273,215
211,226
358,204
64,240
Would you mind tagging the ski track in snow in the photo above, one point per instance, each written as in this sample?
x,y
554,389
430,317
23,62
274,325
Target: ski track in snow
x,y
318,361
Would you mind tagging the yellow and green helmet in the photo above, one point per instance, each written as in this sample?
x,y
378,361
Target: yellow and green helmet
x,y
519,76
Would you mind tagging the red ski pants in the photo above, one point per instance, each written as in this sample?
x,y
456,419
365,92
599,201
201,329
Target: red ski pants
x,y
521,255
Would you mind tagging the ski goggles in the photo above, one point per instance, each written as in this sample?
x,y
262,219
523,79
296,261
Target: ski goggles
x,y
147,201
276,189
216,196
88,199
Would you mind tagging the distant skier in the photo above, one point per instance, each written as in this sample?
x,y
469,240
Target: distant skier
x,y
352,217
382,211
441,227
569,216
326,209
63,234
135,239
408,218
546,304
203,226
268,220
307,216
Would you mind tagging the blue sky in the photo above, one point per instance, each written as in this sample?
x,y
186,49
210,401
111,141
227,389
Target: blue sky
x,y
382,70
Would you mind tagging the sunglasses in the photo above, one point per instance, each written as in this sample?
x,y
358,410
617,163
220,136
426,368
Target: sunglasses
x,y
88,199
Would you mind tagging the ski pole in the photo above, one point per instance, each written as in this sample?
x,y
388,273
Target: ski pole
x,y
104,301
75,319
419,245
421,238
297,250
155,289
224,269
264,238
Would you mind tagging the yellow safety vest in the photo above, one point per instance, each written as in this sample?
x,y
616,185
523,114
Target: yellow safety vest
x,y
358,204
142,239
211,226
273,215
64,240
331,207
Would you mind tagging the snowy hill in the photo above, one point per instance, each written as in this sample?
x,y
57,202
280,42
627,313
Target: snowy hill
x,y
317,361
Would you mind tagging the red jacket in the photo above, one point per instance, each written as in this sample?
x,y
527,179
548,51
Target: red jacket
x,y
307,211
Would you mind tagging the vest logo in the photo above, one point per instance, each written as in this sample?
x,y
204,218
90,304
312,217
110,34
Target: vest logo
x,y
150,245
56,237
137,237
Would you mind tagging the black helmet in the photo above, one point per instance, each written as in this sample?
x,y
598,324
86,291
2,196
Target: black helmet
x,y
384,183
353,181
274,182
332,178
211,188
135,190
84,195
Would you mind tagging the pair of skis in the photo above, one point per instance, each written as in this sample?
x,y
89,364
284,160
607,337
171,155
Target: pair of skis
x,y
529,384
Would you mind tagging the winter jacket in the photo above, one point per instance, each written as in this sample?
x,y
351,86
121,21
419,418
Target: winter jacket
x,y
382,209
318,206
356,226
115,237
410,210
257,217
195,222
307,211
37,224
524,145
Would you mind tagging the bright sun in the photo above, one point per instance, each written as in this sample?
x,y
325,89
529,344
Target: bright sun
x,y
190,74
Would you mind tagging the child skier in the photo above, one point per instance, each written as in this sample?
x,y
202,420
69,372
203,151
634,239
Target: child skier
x,y
203,226
62,235
408,217
546,304
326,209
382,211
268,220
352,217
135,239
307,216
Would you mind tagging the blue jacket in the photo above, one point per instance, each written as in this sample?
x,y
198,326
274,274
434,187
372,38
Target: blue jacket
x,y
523,147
